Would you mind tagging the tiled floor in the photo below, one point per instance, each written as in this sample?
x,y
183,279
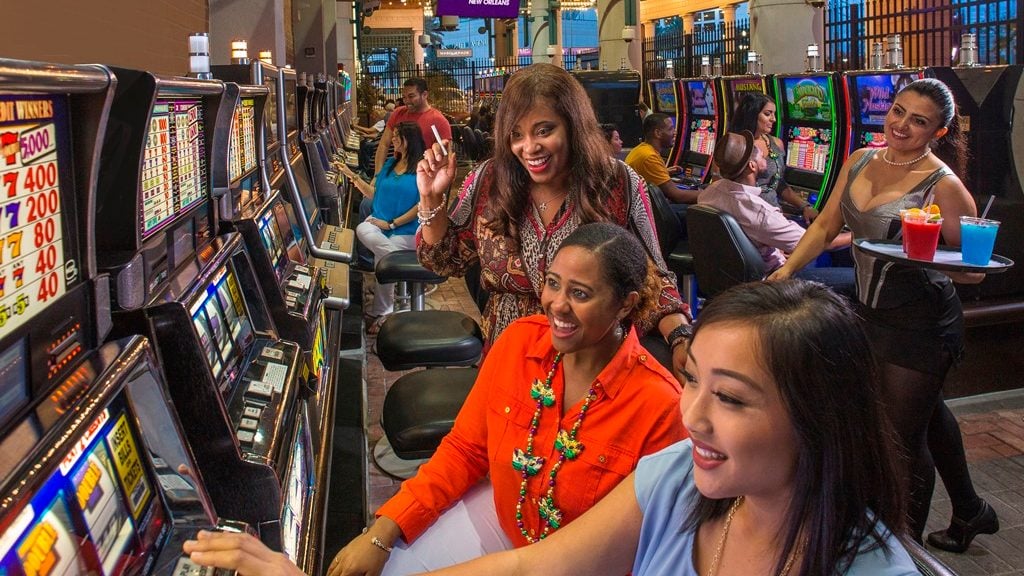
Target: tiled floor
x,y
992,425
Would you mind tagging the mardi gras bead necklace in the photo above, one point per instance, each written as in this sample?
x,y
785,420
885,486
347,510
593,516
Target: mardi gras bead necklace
x,y
524,462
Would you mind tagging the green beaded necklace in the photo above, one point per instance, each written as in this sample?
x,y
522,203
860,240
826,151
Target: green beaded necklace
x,y
529,465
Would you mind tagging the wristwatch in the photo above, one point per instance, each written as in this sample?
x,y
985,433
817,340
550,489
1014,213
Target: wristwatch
x,y
391,224
683,331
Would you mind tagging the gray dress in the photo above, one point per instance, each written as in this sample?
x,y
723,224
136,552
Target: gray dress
x,y
914,317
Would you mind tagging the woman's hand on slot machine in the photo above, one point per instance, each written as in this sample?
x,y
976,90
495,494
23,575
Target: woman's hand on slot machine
x,y
239,552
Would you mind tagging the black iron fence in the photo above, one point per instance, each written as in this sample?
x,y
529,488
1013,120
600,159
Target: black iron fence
x,y
930,31
723,44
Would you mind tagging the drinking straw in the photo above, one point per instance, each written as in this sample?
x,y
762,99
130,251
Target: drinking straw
x,y
984,213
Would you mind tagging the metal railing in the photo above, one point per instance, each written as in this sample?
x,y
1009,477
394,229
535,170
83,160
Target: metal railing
x,y
930,31
727,44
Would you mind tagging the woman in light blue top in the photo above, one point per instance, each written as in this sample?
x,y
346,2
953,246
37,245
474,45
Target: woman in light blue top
x,y
790,468
392,222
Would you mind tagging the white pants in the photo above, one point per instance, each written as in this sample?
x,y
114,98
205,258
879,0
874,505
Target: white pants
x,y
467,530
374,239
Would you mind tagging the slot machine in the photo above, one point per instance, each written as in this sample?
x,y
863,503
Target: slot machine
x,y
870,94
664,98
810,114
302,309
731,90
990,101
614,95
290,232
95,474
697,131
234,382
329,246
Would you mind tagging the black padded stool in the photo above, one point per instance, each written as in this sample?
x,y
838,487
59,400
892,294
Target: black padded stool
x,y
421,407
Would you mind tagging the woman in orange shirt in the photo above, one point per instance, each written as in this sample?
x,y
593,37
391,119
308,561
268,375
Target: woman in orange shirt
x,y
564,406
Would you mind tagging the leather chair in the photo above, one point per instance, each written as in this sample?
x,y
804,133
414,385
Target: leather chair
x,y
924,561
420,408
723,256
674,249
470,145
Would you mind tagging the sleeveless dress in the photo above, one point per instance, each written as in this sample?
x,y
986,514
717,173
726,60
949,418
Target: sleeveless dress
x,y
773,180
913,315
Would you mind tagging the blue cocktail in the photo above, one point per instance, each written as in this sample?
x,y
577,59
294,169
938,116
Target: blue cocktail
x,y
977,237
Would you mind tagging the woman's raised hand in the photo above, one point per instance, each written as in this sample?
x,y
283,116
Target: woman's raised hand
x,y
435,172
239,552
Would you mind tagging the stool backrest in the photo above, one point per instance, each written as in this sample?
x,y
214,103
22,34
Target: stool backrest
x,y
723,256
666,223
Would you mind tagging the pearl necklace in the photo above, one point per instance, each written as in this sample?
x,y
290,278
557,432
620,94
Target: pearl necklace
x,y
725,533
885,157
527,464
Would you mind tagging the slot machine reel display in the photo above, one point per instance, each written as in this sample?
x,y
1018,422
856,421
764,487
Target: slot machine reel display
x,y
698,129
95,476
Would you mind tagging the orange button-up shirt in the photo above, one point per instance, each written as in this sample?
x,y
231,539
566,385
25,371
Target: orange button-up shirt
x,y
635,412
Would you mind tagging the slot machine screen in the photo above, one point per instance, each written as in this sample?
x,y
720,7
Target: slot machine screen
x,y
807,148
700,98
291,121
296,485
294,242
38,245
309,206
222,323
740,87
273,241
807,99
665,97
96,513
695,171
174,176
242,146
14,392
702,135
270,113
875,94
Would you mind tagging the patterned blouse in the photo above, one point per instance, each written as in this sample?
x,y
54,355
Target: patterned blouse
x,y
512,274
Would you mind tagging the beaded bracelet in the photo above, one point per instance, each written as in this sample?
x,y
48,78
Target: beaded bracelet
x,y
425,216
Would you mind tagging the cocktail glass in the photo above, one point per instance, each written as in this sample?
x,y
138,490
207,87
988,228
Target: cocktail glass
x,y
977,237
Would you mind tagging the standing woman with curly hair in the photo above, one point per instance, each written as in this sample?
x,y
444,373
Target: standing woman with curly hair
x,y
550,173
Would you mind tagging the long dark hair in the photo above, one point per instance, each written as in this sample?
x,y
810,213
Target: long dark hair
x,y
847,474
592,170
951,148
414,145
623,262
747,111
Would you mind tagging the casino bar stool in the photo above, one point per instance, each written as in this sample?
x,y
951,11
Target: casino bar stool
x,y
420,408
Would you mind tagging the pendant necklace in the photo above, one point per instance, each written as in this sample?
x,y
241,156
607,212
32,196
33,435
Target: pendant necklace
x,y
527,464
717,559
885,157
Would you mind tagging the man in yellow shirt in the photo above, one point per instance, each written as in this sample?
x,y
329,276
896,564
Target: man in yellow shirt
x,y
647,161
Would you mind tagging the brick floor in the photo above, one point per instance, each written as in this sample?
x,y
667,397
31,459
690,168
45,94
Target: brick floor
x,y
992,427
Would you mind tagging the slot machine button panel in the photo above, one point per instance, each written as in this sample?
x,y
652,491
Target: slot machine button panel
x,y
260,391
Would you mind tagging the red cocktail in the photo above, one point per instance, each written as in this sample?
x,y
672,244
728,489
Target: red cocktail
x,y
921,235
